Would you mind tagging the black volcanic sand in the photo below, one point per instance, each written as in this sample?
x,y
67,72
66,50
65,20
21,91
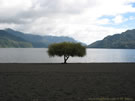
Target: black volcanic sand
x,y
67,82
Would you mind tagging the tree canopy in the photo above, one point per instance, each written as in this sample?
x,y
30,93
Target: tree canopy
x,y
67,49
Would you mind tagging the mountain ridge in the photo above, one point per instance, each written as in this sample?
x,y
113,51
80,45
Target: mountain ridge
x,y
124,40
8,40
35,41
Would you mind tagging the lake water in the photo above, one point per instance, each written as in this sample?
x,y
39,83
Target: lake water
x,y
39,55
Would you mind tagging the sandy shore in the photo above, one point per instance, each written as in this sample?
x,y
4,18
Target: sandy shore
x,y
72,67
67,82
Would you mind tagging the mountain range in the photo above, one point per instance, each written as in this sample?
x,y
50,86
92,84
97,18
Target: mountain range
x,y
125,40
12,38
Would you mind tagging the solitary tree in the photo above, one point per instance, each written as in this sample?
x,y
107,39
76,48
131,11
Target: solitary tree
x,y
66,49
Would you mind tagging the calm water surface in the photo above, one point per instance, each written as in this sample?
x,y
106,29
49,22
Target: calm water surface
x,y
39,55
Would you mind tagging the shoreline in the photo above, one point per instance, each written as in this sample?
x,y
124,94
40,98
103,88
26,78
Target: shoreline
x,y
70,67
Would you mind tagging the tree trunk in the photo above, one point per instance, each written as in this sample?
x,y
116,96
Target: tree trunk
x,y
65,59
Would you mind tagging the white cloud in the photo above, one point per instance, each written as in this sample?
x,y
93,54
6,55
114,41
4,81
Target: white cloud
x,y
103,21
131,18
75,18
119,19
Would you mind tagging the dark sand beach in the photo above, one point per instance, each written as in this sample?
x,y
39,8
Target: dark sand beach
x,y
67,82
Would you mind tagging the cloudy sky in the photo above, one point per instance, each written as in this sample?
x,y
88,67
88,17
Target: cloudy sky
x,y
84,20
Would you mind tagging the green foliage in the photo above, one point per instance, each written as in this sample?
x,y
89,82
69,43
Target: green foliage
x,y
67,49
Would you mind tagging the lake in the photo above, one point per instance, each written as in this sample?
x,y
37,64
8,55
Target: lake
x,y
39,55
